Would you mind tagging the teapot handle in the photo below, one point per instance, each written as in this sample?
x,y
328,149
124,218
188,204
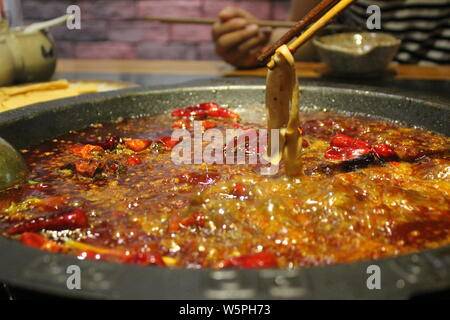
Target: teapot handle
x,y
47,24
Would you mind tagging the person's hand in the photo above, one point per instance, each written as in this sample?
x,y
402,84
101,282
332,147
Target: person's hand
x,y
237,41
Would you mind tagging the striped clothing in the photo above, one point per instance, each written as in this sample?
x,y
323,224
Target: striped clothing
x,y
422,25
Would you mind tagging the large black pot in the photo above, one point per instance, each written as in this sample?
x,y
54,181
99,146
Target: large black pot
x,y
401,277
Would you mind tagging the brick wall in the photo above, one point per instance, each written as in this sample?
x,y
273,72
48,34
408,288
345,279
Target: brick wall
x,y
116,29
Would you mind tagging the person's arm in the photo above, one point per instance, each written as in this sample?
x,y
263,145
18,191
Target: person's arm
x,y
239,43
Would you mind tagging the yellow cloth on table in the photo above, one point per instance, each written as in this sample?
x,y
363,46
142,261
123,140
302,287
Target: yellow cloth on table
x,y
22,95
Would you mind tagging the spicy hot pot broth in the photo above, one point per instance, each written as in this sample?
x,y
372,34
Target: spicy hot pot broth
x,y
368,189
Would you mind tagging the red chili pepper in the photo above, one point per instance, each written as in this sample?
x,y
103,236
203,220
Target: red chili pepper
x,y
344,141
208,106
191,111
305,144
208,124
35,240
134,160
239,190
336,153
167,142
263,259
138,145
202,110
66,221
384,151
108,143
215,111
174,226
88,168
76,149
195,178
343,147
86,150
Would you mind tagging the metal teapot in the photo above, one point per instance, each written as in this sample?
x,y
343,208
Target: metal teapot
x,y
27,54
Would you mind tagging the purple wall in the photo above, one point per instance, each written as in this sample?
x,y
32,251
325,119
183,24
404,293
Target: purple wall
x,y
115,29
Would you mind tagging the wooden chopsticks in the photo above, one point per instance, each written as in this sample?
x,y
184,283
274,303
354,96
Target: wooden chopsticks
x,y
324,20
297,28
327,10
261,23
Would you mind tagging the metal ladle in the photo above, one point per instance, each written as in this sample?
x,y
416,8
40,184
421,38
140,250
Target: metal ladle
x,y
13,169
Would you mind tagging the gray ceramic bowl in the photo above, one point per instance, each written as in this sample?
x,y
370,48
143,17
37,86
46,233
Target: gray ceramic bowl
x,y
357,54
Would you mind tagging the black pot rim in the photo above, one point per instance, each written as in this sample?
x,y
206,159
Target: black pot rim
x,y
401,277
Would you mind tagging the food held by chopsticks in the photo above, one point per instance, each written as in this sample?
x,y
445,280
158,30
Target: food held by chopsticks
x,y
282,92
282,104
